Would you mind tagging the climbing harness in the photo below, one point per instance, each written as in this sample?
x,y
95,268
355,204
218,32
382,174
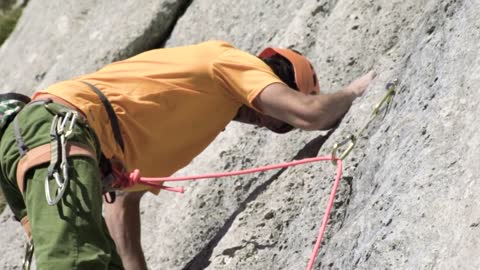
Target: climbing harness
x,y
56,152
60,131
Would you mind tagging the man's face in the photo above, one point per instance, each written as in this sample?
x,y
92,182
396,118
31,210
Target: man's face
x,y
250,116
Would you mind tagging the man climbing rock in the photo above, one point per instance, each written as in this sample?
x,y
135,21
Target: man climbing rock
x,y
154,112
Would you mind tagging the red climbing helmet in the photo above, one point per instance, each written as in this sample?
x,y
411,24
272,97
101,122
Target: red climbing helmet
x,y
305,76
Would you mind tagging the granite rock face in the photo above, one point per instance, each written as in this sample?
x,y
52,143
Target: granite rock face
x,y
408,197
56,40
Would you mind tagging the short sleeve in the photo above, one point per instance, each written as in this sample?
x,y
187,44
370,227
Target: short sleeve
x,y
242,75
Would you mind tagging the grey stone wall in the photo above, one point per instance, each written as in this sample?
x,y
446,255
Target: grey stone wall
x,y
408,198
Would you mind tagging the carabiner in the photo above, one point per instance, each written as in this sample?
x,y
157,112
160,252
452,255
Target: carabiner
x,y
62,123
61,129
64,160
61,187
391,86
69,119
53,127
353,141
28,256
70,116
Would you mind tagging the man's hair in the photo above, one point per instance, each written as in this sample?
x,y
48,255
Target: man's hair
x,y
282,68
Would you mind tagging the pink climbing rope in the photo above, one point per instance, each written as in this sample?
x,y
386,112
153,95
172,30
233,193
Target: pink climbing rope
x,y
135,178
326,216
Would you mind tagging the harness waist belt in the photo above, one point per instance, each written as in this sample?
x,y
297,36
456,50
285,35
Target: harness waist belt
x,y
41,154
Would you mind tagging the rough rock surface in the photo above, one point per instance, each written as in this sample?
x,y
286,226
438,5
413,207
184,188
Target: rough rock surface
x,y
56,40
408,198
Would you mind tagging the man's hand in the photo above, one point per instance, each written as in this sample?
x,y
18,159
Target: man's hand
x,y
359,85
310,112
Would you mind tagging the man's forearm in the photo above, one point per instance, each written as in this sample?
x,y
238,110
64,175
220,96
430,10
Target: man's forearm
x,y
123,221
333,108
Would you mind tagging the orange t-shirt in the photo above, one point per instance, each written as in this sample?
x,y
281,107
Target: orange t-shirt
x,y
171,103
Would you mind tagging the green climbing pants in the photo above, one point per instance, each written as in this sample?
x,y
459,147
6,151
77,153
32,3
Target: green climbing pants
x,y
71,234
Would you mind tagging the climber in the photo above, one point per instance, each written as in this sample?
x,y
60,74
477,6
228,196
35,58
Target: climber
x,y
155,111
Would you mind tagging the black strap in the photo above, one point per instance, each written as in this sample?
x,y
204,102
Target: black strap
x,y
111,115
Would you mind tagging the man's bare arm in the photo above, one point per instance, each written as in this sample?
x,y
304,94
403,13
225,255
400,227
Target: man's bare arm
x,y
310,112
123,222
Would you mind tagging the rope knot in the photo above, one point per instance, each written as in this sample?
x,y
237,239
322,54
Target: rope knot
x,y
120,179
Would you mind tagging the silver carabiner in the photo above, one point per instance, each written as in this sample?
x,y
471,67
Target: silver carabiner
x,y
27,261
72,123
62,127
63,161
69,118
54,127
60,188
62,123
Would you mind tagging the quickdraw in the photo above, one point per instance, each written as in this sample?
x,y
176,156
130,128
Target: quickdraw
x,y
352,139
60,131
